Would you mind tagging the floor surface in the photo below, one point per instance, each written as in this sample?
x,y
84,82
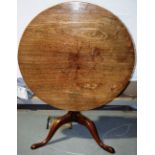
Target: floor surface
x,y
116,128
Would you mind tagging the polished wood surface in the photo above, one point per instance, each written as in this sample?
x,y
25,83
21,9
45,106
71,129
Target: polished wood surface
x,y
76,56
74,117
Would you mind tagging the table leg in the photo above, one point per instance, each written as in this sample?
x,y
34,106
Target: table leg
x,y
74,117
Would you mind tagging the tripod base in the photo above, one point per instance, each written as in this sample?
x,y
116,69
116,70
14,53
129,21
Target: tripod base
x,y
74,117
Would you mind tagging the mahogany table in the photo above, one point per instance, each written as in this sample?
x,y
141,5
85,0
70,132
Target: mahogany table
x,y
76,56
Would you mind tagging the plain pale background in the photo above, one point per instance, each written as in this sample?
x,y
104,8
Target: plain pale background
x,y
126,10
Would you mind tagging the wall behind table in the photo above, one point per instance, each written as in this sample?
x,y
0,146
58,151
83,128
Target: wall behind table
x,y
126,10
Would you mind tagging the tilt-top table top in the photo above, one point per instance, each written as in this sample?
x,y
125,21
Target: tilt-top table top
x,y
76,56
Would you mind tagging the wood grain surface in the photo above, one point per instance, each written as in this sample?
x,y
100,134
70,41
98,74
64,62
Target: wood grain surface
x,y
76,56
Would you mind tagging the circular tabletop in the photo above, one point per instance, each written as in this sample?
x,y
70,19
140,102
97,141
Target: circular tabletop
x,y
76,56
